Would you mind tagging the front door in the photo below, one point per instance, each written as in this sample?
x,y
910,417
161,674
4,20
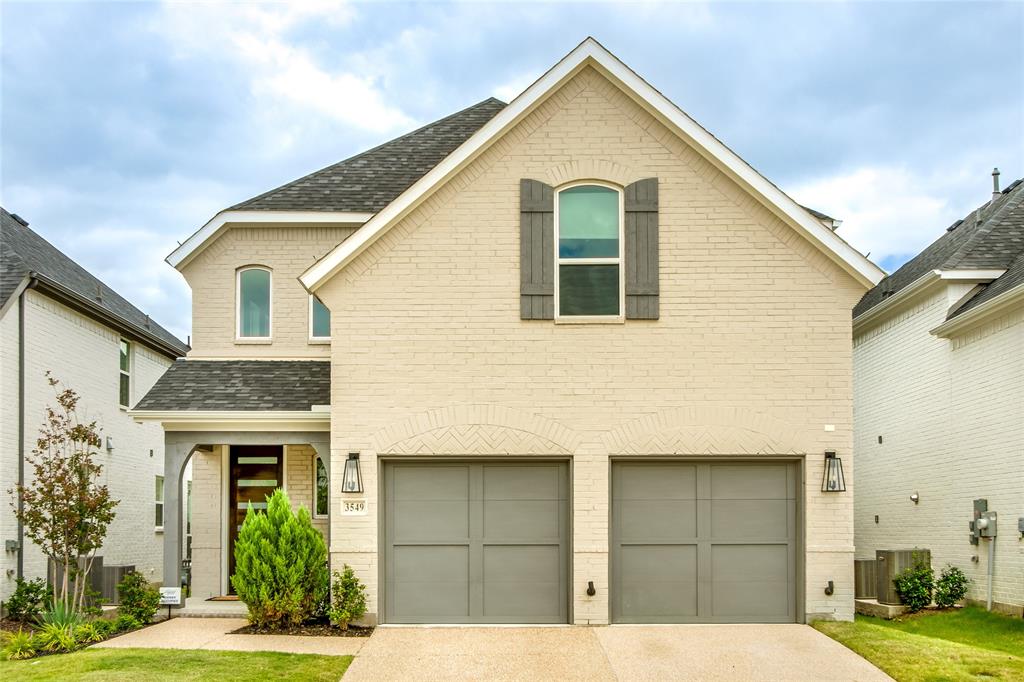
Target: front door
x,y
255,474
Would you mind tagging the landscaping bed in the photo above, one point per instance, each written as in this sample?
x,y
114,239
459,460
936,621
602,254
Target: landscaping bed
x,y
937,644
317,628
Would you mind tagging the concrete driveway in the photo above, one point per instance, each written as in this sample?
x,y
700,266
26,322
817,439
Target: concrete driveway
x,y
671,652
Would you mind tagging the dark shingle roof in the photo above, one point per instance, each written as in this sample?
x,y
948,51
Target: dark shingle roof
x,y
238,385
990,237
24,254
368,182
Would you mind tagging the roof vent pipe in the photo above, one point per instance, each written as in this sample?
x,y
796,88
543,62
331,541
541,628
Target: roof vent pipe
x,y
995,184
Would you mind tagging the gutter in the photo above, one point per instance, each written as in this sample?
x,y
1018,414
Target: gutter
x,y
88,307
983,312
317,418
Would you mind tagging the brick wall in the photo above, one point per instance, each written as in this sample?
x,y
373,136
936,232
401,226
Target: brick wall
x,y
752,353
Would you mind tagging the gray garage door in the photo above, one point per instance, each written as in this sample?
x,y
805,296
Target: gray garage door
x,y
476,542
704,542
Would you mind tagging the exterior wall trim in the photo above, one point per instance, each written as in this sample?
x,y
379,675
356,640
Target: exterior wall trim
x,y
215,420
981,314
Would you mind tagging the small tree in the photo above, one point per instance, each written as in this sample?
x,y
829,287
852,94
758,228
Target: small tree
x,y
280,565
348,598
65,509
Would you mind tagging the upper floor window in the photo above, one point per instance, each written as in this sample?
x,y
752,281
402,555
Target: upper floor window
x,y
254,303
319,320
588,234
125,380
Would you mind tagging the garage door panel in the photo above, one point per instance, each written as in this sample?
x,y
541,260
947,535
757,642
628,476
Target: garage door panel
x,y
430,580
538,519
426,520
439,482
648,520
751,519
749,481
431,563
538,482
752,601
660,563
647,481
522,581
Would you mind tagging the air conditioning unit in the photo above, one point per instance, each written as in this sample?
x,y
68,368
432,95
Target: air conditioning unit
x,y
112,577
865,578
55,573
889,564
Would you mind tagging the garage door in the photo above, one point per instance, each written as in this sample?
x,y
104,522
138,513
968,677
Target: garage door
x,y
476,542
704,542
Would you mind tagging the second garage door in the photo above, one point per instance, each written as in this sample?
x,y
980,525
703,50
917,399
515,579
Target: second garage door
x,y
476,542
704,542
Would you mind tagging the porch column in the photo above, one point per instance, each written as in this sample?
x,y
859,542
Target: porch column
x,y
176,456
323,450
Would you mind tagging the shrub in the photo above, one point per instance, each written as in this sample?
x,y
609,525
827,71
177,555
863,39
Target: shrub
x,y
951,587
29,599
914,585
280,565
348,598
19,645
104,627
60,615
90,633
125,623
55,637
138,598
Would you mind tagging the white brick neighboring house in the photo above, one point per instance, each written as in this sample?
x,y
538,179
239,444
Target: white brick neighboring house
x,y
939,400
635,434
55,316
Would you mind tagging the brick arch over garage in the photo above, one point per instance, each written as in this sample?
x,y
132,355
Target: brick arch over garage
x,y
706,431
477,430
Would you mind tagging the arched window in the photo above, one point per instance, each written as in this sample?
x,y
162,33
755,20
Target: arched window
x,y
254,301
320,489
588,238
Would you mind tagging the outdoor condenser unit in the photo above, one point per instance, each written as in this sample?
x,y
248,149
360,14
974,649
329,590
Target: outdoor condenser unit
x,y
889,564
865,578
112,577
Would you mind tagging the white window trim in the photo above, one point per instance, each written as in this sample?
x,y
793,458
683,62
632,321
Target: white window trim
x,y
312,338
238,306
592,319
128,372
163,507
316,491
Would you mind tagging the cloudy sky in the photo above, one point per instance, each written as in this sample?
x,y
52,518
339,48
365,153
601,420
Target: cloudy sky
x,y
125,126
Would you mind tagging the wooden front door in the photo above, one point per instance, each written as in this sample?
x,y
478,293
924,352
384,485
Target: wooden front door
x,y
256,472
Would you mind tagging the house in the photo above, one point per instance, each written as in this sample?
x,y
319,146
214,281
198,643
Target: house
x,y
630,426
939,401
56,317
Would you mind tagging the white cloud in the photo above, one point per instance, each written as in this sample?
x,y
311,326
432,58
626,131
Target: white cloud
x,y
511,89
891,211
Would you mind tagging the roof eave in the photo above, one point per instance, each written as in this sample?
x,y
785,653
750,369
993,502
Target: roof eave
x,y
236,420
591,53
980,314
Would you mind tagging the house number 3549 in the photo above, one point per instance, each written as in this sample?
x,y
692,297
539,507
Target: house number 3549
x,y
353,507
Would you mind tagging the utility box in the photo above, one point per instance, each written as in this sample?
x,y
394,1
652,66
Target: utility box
x,y
865,578
889,563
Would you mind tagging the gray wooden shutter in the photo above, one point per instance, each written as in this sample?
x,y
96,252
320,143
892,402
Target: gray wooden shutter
x,y
641,249
536,251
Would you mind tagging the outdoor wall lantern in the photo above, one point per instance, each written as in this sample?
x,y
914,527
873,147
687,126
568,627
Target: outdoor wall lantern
x,y
833,481
352,481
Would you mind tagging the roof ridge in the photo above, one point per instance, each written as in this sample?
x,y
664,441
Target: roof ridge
x,y
988,223
365,152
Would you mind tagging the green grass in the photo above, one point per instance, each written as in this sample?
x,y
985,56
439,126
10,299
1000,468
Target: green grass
x,y
142,665
961,644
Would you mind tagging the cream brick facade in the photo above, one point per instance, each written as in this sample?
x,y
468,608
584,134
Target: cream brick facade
x,y
950,413
751,356
84,355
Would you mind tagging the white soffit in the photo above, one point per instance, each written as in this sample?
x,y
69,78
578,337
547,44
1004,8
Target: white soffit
x,y
592,53
204,235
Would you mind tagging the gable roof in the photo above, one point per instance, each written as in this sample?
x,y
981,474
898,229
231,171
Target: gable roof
x,y
351,191
989,238
591,53
26,259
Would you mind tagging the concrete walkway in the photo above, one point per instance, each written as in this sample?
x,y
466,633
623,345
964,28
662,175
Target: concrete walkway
x,y
214,633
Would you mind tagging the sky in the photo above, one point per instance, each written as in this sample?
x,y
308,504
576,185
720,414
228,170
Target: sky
x,y
125,126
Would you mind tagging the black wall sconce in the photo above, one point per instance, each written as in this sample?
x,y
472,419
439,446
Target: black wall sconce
x,y
352,481
833,481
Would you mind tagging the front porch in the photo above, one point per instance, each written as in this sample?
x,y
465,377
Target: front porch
x,y
230,469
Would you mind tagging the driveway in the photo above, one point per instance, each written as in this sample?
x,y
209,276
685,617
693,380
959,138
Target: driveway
x,y
676,652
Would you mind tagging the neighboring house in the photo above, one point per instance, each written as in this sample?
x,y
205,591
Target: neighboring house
x,y
939,400
56,317
586,361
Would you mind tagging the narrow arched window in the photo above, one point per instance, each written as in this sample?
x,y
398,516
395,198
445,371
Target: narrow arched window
x,y
254,301
588,238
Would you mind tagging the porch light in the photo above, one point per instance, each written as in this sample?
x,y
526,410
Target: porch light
x,y
352,481
832,481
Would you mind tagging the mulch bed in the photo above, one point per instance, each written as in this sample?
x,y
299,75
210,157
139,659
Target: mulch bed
x,y
7,625
317,628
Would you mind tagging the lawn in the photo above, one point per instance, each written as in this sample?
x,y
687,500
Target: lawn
x,y
960,644
171,664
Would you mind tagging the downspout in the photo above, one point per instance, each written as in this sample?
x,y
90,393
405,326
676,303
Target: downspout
x,y
21,433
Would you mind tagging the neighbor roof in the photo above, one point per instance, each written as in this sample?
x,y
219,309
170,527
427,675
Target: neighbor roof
x,y
26,259
591,53
991,237
240,385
